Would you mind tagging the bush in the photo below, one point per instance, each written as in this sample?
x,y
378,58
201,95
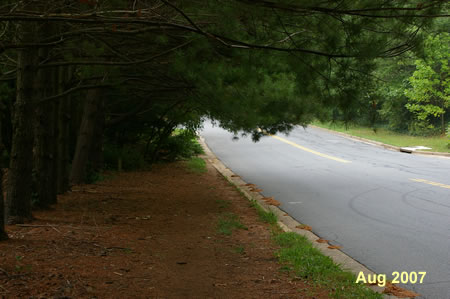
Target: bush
x,y
132,157
448,135
182,144
417,128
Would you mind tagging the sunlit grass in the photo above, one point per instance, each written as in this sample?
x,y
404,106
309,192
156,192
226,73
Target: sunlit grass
x,y
298,255
197,165
437,143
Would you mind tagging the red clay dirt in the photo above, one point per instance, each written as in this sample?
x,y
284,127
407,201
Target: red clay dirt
x,y
149,234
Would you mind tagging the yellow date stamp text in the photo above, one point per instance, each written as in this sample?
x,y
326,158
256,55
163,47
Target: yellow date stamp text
x,y
404,277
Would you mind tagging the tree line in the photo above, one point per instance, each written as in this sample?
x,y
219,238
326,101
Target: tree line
x,y
411,93
80,77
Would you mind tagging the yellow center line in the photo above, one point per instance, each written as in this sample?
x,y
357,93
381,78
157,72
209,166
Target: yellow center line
x,y
431,183
309,150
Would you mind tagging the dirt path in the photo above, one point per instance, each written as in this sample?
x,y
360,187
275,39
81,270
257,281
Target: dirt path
x,y
146,235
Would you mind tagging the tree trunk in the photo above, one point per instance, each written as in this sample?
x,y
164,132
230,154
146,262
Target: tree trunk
x,y
63,145
85,138
96,151
3,235
18,200
53,140
43,138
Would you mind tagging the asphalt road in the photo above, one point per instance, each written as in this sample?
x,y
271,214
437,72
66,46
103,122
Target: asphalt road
x,y
388,210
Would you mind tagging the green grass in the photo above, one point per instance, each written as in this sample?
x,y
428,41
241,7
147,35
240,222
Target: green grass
x,y
197,165
239,249
268,217
299,256
229,222
437,143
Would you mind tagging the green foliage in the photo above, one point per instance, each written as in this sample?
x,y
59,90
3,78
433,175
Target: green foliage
x,y
299,255
180,145
239,249
448,136
223,204
429,95
93,176
137,152
229,222
437,143
247,89
132,156
197,165
265,216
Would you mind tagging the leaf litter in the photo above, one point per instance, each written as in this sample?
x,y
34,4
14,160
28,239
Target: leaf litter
x,y
92,246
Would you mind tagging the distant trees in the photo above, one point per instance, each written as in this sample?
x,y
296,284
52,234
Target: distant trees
x,y
86,72
429,95
409,93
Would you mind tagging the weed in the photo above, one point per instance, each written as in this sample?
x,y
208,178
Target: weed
x,y
229,222
239,249
182,144
197,165
298,255
127,250
268,217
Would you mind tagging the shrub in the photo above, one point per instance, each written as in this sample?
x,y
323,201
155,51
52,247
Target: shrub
x,y
182,144
448,135
132,157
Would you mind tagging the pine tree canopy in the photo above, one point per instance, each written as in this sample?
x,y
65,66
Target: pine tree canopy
x,y
247,64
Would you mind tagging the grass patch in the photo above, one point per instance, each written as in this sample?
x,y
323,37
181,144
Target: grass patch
x,y
437,143
229,222
239,249
299,256
197,165
268,217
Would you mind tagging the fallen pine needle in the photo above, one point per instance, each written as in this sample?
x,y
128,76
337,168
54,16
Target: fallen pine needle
x,y
54,228
305,227
321,241
397,291
334,247
39,225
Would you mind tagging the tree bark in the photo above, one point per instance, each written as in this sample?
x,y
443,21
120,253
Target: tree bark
x,y
18,200
96,150
63,144
86,135
3,234
44,139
